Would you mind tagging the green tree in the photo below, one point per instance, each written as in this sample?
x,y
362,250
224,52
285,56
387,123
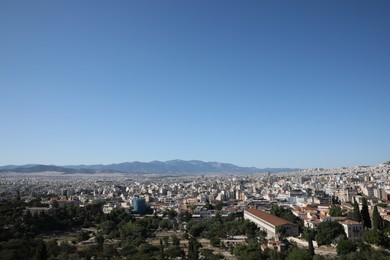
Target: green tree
x,y
319,257
310,243
285,214
344,247
335,211
219,205
185,216
328,231
171,213
193,249
41,252
100,242
82,236
377,221
175,240
356,212
215,241
298,254
249,251
52,248
376,237
197,229
55,204
174,252
365,214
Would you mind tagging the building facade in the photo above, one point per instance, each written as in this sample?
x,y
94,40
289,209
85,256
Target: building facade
x,y
353,229
270,223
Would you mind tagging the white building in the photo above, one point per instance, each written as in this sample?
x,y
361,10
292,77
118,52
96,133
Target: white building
x,y
353,229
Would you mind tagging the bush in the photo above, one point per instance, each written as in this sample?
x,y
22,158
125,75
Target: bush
x,y
215,241
345,247
328,231
298,254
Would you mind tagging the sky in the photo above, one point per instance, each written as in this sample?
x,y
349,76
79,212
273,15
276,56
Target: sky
x,y
255,83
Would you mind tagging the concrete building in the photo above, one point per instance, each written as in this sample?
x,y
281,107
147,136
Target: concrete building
x,y
353,229
39,210
139,205
270,223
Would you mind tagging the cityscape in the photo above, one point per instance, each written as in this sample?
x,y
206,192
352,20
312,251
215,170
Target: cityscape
x,y
312,213
194,130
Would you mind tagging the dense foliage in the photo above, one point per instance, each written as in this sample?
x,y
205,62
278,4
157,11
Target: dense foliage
x,y
335,211
286,214
328,231
377,221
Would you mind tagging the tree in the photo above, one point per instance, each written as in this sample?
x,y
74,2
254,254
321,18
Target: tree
x,y
298,254
100,242
207,254
174,252
219,205
365,214
82,236
280,231
356,212
185,216
41,252
55,204
285,214
377,221
175,240
197,229
335,211
328,231
215,241
193,249
249,251
344,247
310,243
376,237
171,213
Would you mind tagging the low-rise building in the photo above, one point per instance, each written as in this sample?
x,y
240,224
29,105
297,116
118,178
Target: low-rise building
x,y
270,223
353,229
39,210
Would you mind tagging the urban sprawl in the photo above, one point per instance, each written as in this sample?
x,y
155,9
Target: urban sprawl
x,y
341,213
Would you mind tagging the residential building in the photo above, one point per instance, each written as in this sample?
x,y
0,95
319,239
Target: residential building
x,y
353,229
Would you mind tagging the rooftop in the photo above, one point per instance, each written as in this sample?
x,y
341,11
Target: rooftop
x,y
273,220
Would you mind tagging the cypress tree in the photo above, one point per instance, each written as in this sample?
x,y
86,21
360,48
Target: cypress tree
x,y
365,214
377,221
41,252
356,212
310,244
193,249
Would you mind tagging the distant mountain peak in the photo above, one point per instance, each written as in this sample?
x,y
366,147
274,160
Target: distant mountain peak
x,y
176,166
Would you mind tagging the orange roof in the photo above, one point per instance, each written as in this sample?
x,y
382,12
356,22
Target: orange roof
x,y
273,220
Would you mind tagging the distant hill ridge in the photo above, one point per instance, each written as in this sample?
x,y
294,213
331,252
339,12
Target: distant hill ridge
x,y
154,167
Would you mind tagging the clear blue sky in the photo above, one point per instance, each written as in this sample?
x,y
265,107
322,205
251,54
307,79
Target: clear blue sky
x,y
254,83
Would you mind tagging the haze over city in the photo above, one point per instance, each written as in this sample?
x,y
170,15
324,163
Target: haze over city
x,y
257,83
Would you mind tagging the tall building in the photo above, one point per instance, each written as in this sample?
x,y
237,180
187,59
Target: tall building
x,y
139,205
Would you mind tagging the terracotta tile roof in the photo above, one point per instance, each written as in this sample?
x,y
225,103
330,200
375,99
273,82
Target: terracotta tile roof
x,y
273,220
350,222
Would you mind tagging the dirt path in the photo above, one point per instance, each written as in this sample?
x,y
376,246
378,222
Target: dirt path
x,y
322,250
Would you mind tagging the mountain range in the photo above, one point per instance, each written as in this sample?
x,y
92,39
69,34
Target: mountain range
x,y
154,167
